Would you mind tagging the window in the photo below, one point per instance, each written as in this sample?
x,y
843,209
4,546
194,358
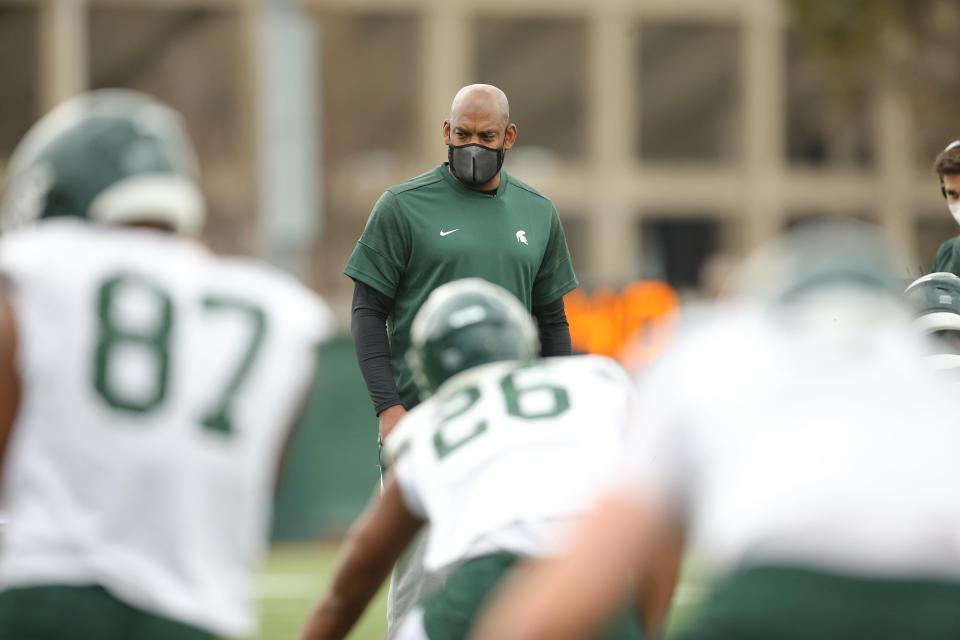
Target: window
x,y
826,124
370,64
689,91
542,67
20,70
677,249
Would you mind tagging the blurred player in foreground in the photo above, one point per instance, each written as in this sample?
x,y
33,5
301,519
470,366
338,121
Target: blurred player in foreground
x,y
803,448
935,299
147,386
506,453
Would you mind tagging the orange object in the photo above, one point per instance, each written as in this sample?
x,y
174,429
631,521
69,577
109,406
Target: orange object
x,y
634,325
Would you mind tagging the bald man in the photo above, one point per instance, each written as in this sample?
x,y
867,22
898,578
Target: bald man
x,y
464,218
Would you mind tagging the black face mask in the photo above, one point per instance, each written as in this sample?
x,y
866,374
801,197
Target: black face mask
x,y
474,164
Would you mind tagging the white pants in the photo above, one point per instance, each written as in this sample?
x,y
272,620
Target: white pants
x,y
409,583
411,627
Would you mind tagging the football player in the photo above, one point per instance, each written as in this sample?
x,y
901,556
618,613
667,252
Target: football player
x,y
935,299
506,453
147,386
806,451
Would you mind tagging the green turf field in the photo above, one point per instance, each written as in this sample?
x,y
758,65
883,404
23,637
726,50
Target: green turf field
x,y
290,582
294,575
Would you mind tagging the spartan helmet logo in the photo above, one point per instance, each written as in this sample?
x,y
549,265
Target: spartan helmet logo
x,y
522,236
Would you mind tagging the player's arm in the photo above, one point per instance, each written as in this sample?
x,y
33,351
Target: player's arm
x,y
368,325
370,550
572,596
654,591
9,376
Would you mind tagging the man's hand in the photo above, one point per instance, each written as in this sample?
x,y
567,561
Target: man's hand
x,y
389,418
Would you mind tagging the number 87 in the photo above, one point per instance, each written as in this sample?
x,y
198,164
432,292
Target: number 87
x,y
155,342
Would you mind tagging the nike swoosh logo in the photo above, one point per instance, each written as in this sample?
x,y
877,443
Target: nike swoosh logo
x,y
446,233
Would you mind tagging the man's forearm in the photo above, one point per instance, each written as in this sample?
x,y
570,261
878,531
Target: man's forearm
x,y
389,418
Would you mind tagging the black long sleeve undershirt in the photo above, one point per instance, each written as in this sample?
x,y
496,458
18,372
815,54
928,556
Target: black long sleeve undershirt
x,y
554,329
369,328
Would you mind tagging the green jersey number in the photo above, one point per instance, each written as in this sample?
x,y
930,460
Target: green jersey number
x,y
218,418
114,337
153,344
559,399
445,440
450,434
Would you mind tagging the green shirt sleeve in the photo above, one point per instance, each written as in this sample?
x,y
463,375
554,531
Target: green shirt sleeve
x,y
942,261
556,276
380,256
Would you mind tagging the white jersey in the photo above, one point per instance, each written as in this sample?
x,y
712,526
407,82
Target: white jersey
x,y
505,454
790,449
159,383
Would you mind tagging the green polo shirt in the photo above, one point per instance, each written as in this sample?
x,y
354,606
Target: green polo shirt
x,y
948,257
431,230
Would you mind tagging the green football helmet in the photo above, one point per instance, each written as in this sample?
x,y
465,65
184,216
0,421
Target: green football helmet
x,y
111,155
935,300
466,323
